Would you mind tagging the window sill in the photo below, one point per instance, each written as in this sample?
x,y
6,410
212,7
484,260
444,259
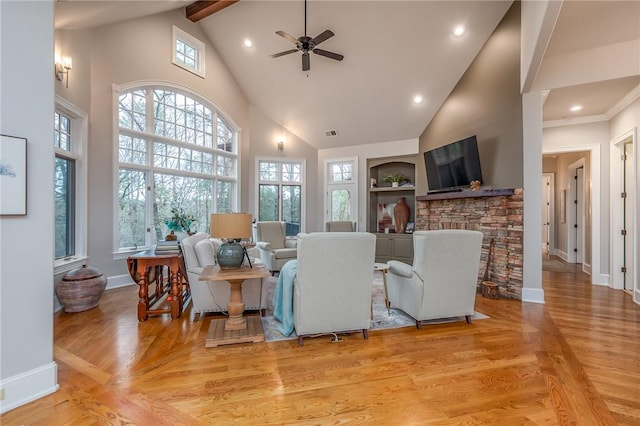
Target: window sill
x,y
65,265
124,254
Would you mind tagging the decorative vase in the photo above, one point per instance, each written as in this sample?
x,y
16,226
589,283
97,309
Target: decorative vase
x,y
395,184
81,288
401,215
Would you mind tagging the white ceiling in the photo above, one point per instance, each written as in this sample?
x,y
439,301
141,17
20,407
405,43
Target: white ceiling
x,y
393,50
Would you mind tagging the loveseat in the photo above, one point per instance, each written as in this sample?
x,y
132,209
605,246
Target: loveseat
x,y
213,296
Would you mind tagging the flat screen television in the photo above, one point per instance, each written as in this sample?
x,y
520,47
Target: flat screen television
x,y
452,167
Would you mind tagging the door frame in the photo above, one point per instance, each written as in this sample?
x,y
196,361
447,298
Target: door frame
x,y
576,240
353,185
597,276
552,212
617,280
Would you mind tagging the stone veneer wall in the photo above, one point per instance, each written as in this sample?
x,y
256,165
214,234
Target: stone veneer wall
x,y
497,216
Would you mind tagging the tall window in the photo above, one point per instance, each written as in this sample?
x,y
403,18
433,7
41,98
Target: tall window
x,y
174,151
69,185
188,52
64,187
280,194
341,191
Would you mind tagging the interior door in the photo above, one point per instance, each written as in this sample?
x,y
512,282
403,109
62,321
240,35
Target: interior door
x,y
341,203
628,225
547,213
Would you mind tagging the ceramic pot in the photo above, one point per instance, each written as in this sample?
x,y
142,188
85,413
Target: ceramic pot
x,y
401,215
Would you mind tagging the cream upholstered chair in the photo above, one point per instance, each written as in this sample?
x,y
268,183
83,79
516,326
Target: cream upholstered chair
x,y
443,280
340,226
332,288
213,296
274,246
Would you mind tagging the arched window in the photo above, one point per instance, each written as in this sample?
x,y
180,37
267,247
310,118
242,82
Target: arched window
x,y
175,153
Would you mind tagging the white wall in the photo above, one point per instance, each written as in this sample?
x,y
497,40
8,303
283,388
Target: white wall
x,y
27,369
363,153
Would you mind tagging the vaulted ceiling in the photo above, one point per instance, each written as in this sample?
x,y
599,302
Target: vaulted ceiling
x,y
393,50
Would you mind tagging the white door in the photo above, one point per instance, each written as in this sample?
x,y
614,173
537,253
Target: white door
x,y
628,225
547,213
579,212
341,190
341,203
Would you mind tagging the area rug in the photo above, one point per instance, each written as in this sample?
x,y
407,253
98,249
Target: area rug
x,y
381,319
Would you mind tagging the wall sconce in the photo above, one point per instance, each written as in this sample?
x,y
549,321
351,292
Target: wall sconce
x,y
281,145
62,68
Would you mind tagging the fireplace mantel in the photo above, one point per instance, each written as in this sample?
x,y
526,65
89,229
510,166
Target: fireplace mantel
x,y
467,193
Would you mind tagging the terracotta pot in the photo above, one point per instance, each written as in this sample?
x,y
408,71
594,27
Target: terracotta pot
x,y
401,215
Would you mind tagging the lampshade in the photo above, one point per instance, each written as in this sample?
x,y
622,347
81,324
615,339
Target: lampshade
x,y
234,226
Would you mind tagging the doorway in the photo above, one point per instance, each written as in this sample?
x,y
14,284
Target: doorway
x,y
548,214
576,213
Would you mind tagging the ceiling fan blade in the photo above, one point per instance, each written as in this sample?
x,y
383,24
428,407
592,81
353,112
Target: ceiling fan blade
x,y
286,52
291,38
306,64
336,56
322,37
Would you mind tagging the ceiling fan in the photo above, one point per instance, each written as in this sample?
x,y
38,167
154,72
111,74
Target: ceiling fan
x,y
307,44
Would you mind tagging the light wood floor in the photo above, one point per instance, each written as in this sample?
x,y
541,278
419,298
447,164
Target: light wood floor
x,y
573,361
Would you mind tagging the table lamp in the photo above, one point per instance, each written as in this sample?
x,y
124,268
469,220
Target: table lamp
x,y
231,228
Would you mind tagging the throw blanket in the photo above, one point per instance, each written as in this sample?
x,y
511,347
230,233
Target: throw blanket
x,y
283,298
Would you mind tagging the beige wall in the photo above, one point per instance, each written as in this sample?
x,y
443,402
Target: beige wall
x,y
487,103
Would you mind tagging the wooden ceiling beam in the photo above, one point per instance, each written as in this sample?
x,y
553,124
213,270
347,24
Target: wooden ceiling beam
x,y
201,9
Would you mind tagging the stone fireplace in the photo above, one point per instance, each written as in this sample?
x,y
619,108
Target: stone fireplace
x,y
497,213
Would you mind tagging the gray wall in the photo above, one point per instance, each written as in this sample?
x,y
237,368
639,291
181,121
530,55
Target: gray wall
x,y
27,369
486,102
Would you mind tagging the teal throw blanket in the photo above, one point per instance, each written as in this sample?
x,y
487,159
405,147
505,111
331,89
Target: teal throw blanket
x,y
283,298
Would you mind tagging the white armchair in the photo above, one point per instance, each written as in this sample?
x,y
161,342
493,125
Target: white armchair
x,y
213,296
340,226
443,280
275,248
332,289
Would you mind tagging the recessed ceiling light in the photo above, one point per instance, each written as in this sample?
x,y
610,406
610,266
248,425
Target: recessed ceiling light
x,y
247,42
459,30
417,99
575,108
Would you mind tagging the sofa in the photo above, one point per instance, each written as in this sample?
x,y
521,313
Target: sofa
x,y
199,251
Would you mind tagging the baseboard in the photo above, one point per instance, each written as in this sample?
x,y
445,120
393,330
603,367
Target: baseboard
x,y
118,281
602,279
533,295
29,386
586,268
562,255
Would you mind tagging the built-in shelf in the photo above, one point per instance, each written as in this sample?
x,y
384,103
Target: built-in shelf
x,y
392,189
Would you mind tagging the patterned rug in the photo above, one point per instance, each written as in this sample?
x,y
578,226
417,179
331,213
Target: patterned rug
x,y
381,319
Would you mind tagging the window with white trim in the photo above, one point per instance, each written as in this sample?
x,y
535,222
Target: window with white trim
x,y
188,52
174,151
341,191
69,183
280,192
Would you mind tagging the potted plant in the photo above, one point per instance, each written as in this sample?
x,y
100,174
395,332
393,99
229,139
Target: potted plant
x,y
396,179
179,220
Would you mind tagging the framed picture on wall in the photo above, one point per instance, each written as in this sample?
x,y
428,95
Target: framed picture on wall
x,y
13,176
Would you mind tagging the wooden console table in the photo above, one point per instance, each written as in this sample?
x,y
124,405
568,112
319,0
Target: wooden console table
x,y
146,268
235,329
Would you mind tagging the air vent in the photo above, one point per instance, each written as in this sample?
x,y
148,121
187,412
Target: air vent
x,y
330,133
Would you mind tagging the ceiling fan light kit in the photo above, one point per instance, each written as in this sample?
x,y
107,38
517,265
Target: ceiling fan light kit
x,y
307,44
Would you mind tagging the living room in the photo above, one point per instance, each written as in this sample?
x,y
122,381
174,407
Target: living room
x,y
91,90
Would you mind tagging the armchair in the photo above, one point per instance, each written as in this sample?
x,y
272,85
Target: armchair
x,y
332,288
274,246
213,296
443,279
340,226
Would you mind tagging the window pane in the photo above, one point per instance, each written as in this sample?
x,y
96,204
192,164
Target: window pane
x,y
132,210
269,171
225,166
132,110
291,172
340,204
132,150
341,172
192,195
64,207
61,131
268,203
291,202
225,136
223,197
182,118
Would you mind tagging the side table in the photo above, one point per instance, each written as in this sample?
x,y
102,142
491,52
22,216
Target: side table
x,y
148,266
236,328
382,267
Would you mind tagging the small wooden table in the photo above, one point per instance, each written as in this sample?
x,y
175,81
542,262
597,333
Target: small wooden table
x,y
148,266
236,328
382,267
